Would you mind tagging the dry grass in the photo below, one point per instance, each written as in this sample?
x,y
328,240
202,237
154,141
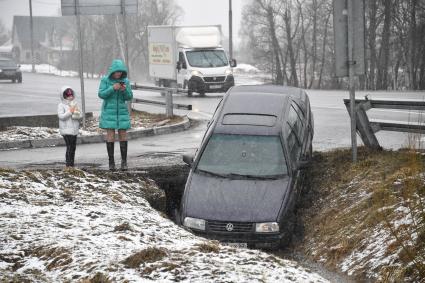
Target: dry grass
x,y
97,278
346,202
145,256
123,227
55,257
209,247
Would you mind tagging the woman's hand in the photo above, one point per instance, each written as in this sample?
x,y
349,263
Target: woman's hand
x,y
72,109
117,86
123,86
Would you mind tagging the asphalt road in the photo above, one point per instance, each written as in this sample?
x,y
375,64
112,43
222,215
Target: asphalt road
x,y
39,94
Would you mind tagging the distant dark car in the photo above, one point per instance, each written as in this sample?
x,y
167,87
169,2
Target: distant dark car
x,y
9,70
247,173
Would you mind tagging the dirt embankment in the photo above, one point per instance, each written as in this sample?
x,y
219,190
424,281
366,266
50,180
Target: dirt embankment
x,y
366,219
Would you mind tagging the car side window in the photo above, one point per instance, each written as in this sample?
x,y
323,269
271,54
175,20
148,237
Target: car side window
x,y
181,58
295,121
293,139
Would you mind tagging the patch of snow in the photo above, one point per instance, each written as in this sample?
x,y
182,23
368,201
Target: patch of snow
x,y
246,68
66,227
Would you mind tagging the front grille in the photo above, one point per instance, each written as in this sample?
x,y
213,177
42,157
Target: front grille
x,y
219,79
221,226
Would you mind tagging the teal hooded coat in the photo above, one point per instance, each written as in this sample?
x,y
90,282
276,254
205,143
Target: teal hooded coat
x,y
115,113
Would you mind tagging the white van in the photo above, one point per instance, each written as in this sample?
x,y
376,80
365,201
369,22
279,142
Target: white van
x,y
189,57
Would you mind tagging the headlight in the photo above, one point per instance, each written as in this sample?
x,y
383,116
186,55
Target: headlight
x,y
194,223
267,227
196,73
1,70
228,72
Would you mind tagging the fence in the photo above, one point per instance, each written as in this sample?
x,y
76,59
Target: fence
x,y
167,93
367,128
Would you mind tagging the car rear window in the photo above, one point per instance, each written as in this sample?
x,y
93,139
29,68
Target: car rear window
x,y
249,119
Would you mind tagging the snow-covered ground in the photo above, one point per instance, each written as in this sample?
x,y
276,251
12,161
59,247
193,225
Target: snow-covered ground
x,y
140,121
61,226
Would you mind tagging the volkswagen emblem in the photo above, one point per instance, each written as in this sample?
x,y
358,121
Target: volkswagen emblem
x,y
229,227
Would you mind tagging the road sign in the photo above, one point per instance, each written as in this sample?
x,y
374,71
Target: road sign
x,y
342,21
98,7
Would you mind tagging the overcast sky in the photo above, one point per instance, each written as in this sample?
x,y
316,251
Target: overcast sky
x,y
196,12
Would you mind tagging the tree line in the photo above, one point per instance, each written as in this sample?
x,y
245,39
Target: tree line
x,y
106,40
293,40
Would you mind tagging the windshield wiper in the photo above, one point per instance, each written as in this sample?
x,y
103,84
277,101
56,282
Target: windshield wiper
x,y
255,177
211,173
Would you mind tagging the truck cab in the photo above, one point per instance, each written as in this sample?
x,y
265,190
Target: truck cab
x,y
191,58
204,70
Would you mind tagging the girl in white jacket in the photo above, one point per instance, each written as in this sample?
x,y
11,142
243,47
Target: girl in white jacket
x,y
69,123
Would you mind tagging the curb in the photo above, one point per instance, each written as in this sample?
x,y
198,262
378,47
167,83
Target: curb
x,y
131,134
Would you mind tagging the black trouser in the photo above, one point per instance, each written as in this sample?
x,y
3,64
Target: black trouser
x,y
71,145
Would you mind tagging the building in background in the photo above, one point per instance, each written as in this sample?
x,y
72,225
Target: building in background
x,y
53,41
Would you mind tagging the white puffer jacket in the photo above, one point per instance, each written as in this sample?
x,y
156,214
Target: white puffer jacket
x,y
67,125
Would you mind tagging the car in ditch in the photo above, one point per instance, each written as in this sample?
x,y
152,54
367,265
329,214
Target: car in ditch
x,y
246,176
9,70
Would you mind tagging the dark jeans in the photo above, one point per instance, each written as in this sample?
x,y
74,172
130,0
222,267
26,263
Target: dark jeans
x,y
71,145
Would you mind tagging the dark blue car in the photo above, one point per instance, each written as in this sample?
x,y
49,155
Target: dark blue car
x,y
246,175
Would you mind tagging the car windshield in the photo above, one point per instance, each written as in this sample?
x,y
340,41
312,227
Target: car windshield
x,y
207,58
7,63
243,156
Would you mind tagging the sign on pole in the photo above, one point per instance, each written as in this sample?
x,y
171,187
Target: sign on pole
x,y
341,17
349,39
98,7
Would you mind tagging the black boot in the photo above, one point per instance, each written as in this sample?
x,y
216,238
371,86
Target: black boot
x,y
110,148
123,147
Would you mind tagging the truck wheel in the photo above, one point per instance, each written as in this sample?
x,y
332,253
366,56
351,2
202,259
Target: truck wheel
x,y
20,80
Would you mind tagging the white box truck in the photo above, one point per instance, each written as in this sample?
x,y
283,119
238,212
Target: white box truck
x,y
189,57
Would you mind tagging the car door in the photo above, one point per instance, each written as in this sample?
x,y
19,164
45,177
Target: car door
x,y
181,70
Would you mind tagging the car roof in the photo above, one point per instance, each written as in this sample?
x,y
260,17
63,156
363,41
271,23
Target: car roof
x,y
262,100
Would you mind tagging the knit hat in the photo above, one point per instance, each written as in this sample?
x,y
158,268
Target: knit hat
x,y
68,92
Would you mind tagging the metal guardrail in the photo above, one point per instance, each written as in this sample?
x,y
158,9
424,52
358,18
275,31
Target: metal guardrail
x,y
167,92
367,128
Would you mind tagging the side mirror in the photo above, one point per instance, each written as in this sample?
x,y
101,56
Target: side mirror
x,y
184,66
178,66
188,159
233,63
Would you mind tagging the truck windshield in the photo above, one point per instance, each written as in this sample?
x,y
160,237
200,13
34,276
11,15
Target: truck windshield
x,y
244,156
207,58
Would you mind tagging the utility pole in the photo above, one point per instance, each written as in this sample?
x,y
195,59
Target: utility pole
x,y
230,30
351,74
80,51
124,20
32,39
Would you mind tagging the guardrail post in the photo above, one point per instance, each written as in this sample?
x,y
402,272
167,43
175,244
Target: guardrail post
x,y
169,103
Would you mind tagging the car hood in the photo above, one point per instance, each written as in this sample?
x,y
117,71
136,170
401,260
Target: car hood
x,y
223,199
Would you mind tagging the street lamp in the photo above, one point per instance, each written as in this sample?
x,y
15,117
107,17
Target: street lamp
x,y
32,39
230,31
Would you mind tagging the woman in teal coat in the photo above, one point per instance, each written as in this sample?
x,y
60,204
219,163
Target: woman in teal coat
x,y
115,91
